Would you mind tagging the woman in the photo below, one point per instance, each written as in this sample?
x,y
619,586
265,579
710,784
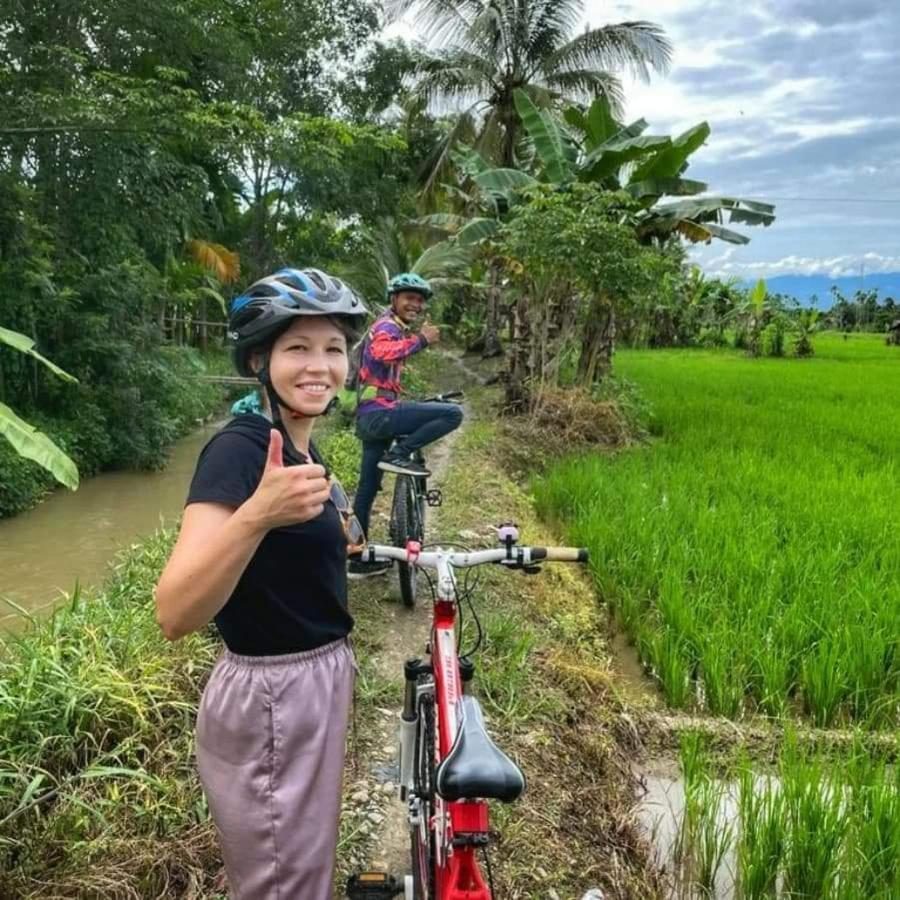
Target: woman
x,y
262,550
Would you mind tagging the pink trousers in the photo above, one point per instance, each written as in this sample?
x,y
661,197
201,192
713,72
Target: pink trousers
x,y
270,750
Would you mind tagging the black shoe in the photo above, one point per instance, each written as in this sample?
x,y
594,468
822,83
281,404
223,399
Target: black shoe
x,y
402,465
360,569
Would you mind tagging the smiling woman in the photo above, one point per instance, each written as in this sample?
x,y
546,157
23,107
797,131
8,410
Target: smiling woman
x,y
262,550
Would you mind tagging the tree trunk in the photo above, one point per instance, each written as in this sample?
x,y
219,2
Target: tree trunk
x,y
491,344
597,342
518,374
204,339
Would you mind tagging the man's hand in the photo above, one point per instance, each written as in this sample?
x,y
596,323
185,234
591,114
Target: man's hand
x,y
287,495
430,332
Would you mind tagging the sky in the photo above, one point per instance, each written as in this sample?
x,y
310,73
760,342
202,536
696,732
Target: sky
x,y
803,99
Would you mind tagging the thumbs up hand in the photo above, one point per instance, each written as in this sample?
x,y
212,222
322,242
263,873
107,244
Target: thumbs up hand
x,y
287,495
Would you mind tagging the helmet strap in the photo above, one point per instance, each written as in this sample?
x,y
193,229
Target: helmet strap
x,y
275,405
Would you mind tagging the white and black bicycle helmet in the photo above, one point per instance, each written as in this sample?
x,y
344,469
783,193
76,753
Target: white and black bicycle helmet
x,y
268,306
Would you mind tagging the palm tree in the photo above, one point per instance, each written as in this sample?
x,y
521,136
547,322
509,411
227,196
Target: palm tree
x,y
388,248
489,48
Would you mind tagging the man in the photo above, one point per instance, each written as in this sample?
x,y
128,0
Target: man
x,y
381,416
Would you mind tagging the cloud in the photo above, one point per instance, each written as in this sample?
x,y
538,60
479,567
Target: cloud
x,y
801,97
833,267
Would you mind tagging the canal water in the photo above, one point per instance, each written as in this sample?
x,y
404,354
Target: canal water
x,y
72,536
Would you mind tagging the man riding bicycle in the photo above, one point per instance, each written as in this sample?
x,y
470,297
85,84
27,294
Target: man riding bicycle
x,y
381,417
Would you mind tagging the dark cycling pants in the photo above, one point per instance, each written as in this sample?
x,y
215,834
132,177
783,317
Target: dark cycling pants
x,y
421,423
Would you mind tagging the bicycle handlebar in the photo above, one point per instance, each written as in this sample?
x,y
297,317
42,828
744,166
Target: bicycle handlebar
x,y
443,398
514,556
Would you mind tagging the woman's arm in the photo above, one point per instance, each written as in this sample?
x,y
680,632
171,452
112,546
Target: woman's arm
x,y
214,545
217,541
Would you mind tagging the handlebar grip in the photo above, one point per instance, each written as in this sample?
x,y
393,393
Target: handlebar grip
x,y
560,554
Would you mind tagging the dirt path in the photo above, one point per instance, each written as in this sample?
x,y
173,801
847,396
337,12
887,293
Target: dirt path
x,y
407,637
544,680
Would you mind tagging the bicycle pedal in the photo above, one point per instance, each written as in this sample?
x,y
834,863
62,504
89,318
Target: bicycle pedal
x,y
434,497
373,886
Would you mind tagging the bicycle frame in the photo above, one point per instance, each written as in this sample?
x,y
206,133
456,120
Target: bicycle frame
x,y
459,827
457,873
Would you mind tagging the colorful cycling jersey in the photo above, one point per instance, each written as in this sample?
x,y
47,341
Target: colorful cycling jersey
x,y
388,345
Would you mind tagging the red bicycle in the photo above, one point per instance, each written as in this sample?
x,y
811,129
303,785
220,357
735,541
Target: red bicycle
x,y
449,766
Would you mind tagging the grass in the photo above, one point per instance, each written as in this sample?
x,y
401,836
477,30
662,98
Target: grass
x,y
752,552
98,794
817,827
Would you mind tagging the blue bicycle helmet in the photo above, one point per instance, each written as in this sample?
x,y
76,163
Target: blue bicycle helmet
x,y
409,281
268,306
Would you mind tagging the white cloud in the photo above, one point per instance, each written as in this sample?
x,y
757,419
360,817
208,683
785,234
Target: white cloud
x,y
833,267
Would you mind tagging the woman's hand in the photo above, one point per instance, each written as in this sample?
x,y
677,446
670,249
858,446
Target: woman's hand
x,y
287,495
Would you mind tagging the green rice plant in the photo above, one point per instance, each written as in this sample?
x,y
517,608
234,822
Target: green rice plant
x,y
773,674
705,833
814,806
762,834
873,846
666,654
764,515
723,677
825,683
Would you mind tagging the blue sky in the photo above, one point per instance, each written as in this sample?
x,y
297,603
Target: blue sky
x,y
803,98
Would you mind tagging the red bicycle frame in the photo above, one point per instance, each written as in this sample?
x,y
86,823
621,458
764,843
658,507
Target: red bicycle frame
x,y
456,827
457,873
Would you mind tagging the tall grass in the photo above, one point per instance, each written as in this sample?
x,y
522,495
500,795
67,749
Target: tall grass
x,y
752,552
98,795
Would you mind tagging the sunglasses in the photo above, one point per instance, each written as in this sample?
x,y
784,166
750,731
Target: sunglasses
x,y
356,538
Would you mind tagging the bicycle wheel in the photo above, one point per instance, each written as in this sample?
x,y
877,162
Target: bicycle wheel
x,y
407,523
422,838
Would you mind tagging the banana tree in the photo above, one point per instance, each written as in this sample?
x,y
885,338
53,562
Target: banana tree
x,y
649,167
806,324
390,248
26,440
479,201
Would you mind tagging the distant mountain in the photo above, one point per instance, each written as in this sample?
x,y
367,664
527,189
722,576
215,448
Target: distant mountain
x,y
803,287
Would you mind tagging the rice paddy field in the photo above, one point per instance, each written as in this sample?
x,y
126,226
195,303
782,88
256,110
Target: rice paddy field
x,y
752,549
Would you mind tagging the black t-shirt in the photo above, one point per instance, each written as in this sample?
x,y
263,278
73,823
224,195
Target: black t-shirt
x,y
293,594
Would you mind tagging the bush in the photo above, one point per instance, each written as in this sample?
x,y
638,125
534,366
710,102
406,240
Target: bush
x,y
773,339
711,337
131,426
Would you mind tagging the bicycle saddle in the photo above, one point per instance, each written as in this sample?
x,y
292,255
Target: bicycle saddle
x,y
476,767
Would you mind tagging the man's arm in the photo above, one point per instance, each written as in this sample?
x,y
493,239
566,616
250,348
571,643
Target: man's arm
x,y
389,345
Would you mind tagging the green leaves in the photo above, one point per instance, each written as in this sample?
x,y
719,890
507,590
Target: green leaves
x,y
555,148
35,445
26,345
671,161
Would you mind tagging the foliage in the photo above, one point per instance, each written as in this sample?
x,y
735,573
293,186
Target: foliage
x,y
144,168
485,51
577,266
26,440
621,157
87,694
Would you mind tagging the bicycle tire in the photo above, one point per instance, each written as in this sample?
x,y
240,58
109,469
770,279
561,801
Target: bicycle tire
x,y
423,853
407,523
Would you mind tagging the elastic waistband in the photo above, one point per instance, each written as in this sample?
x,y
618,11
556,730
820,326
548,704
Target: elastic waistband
x,y
285,659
